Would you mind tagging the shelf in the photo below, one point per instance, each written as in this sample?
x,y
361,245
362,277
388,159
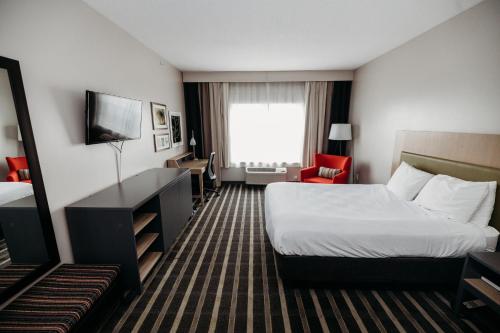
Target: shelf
x,y
144,242
484,289
142,220
147,262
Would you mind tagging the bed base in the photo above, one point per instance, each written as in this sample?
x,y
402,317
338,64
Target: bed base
x,y
401,272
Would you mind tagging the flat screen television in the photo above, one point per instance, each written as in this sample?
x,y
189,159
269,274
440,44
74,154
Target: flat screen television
x,y
111,118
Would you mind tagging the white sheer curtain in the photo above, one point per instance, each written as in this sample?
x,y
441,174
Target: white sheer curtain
x,y
266,123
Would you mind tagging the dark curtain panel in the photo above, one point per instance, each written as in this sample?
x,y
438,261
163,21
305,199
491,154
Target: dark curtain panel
x,y
339,113
193,116
206,120
328,120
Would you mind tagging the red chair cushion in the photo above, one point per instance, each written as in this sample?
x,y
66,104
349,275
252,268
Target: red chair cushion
x,y
318,180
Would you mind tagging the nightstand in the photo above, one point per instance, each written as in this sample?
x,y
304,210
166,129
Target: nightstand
x,y
479,266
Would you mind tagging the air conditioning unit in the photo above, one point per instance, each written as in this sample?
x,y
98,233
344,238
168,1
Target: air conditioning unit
x,y
264,176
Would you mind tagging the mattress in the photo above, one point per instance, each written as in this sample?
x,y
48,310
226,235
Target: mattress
x,y
361,221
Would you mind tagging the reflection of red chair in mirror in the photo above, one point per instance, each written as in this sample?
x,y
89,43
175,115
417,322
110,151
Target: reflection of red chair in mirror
x,y
15,165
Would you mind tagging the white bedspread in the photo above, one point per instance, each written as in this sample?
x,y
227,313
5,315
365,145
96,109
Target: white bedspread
x,y
10,191
366,221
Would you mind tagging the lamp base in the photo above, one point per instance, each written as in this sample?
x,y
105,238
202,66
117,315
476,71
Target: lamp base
x,y
194,153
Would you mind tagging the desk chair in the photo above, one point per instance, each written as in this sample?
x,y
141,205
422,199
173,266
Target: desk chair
x,y
210,178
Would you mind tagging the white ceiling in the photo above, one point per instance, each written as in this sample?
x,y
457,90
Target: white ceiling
x,y
273,35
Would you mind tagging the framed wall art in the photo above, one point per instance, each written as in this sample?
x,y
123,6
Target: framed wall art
x,y
159,115
162,141
176,128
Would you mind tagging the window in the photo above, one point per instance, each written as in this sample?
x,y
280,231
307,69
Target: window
x,y
266,123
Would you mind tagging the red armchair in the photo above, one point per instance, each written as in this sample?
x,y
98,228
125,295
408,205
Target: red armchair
x,y
310,175
15,164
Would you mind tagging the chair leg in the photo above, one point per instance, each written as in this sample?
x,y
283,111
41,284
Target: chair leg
x,y
207,190
213,191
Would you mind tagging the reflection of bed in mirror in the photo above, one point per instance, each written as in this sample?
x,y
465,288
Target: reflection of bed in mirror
x,y
14,185
11,191
27,243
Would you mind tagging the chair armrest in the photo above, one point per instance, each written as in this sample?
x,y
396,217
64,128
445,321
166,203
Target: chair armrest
x,y
341,178
308,172
12,176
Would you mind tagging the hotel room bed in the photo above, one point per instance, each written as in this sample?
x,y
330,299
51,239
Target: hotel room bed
x,y
362,221
354,234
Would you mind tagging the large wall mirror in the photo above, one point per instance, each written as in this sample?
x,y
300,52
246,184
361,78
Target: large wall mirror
x,y
27,243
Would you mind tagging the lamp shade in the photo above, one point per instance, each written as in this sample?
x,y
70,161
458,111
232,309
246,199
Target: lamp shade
x,y
192,142
340,132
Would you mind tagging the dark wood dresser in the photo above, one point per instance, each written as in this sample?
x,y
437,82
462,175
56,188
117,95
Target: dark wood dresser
x,y
132,223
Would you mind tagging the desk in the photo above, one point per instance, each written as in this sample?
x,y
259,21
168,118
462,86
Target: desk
x,y
197,167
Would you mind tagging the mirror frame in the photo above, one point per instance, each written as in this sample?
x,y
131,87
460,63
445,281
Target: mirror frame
x,y
24,122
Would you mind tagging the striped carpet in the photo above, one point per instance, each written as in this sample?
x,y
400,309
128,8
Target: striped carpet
x,y
4,254
221,277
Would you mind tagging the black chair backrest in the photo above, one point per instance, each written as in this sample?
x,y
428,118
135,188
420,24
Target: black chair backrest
x,y
210,167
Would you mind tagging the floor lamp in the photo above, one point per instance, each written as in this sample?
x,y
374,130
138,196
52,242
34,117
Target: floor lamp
x,y
340,132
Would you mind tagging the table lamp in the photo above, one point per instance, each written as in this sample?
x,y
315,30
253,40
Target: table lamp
x,y
192,143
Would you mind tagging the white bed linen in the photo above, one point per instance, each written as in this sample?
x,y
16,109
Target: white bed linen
x,y
364,221
10,191
491,235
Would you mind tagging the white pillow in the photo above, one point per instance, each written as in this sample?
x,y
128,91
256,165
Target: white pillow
x,y
482,216
407,181
491,235
455,198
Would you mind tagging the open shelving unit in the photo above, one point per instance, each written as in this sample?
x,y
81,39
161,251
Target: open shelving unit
x,y
144,242
146,256
147,262
133,223
142,220
483,290
480,281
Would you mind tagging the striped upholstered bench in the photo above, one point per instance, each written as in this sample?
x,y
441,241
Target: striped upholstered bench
x,y
62,301
12,273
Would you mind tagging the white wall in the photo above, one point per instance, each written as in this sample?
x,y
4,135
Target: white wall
x,y
447,79
64,48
